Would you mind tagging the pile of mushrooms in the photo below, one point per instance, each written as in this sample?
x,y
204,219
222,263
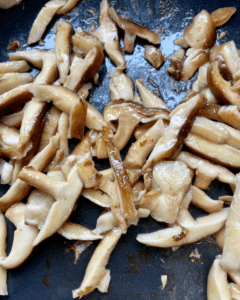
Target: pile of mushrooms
x,y
39,115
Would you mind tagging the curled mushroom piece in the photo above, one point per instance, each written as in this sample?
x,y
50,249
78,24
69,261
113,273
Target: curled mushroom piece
x,y
201,33
24,236
230,114
120,86
6,4
217,284
129,114
180,123
132,30
44,17
154,56
7,84
63,29
222,15
186,231
107,33
14,66
96,275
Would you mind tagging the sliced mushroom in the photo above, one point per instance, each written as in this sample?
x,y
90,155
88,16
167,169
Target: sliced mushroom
x,y
209,96
217,284
14,66
180,123
187,231
234,139
210,111
132,30
219,238
6,4
14,81
206,171
177,59
6,171
42,20
70,4
3,271
223,154
96,275
120,86
201,82
201,200
201,33
24,236
63,29
149,99
105,222
94,118
154,56
230,114
222,15
181,42
83,69
96,196
129,114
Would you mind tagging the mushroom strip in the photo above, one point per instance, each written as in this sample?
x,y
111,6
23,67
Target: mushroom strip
x,y
210,111
43,19
65,193
17,79
3,271
231,115
107,33
14,66
222,15
24,236
96,275
180,123
132,30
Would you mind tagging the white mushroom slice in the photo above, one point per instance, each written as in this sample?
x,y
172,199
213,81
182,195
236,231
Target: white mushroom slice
x,y
97,197
217,284
149,99
219,238
201,33
194,60
63,29
234,139
19,190
132,30
96,270
201,200
70,4
24,236
14,66
234,291
42,20
174,180
230,258
164,280
105,222
94,118
213,131
206,171
187,231
6,4
107,33
154,56
6,172
139,151
223,154
120,86
222,15
180,123
3,271
181,42
14,81
230,114
82,70
201,82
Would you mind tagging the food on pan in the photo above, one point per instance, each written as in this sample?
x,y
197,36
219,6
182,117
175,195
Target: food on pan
x,y
39,115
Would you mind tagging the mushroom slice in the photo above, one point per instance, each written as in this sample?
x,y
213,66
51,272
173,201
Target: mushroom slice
x,y
210,111
139,151
6,171
6,4
24,236
83,69
105,222
107,33
234,291
42,20
63,29
149,99
201,82
201,200
141,129
181,42
42,59
129,114
187,231
96,196
195,59
201,33
213,131
219,238
230,114
223,154
94,118
180,123
96,275
14,98
209,96
65,193
14,81
132,30
220,88
217,284
154,56
123,184
234,139
3,271
14,66
120,86
206,171
230,258
84,42
222,15
173,180
70,4
19,190
177,59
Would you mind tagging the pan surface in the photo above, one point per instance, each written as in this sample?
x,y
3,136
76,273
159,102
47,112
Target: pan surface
x,y
136,269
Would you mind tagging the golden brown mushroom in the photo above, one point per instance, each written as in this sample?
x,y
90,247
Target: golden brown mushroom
x,y
177,59
210,111
6,4
67,7
154,56
230,114
120,86
7,84
14,66
222,15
